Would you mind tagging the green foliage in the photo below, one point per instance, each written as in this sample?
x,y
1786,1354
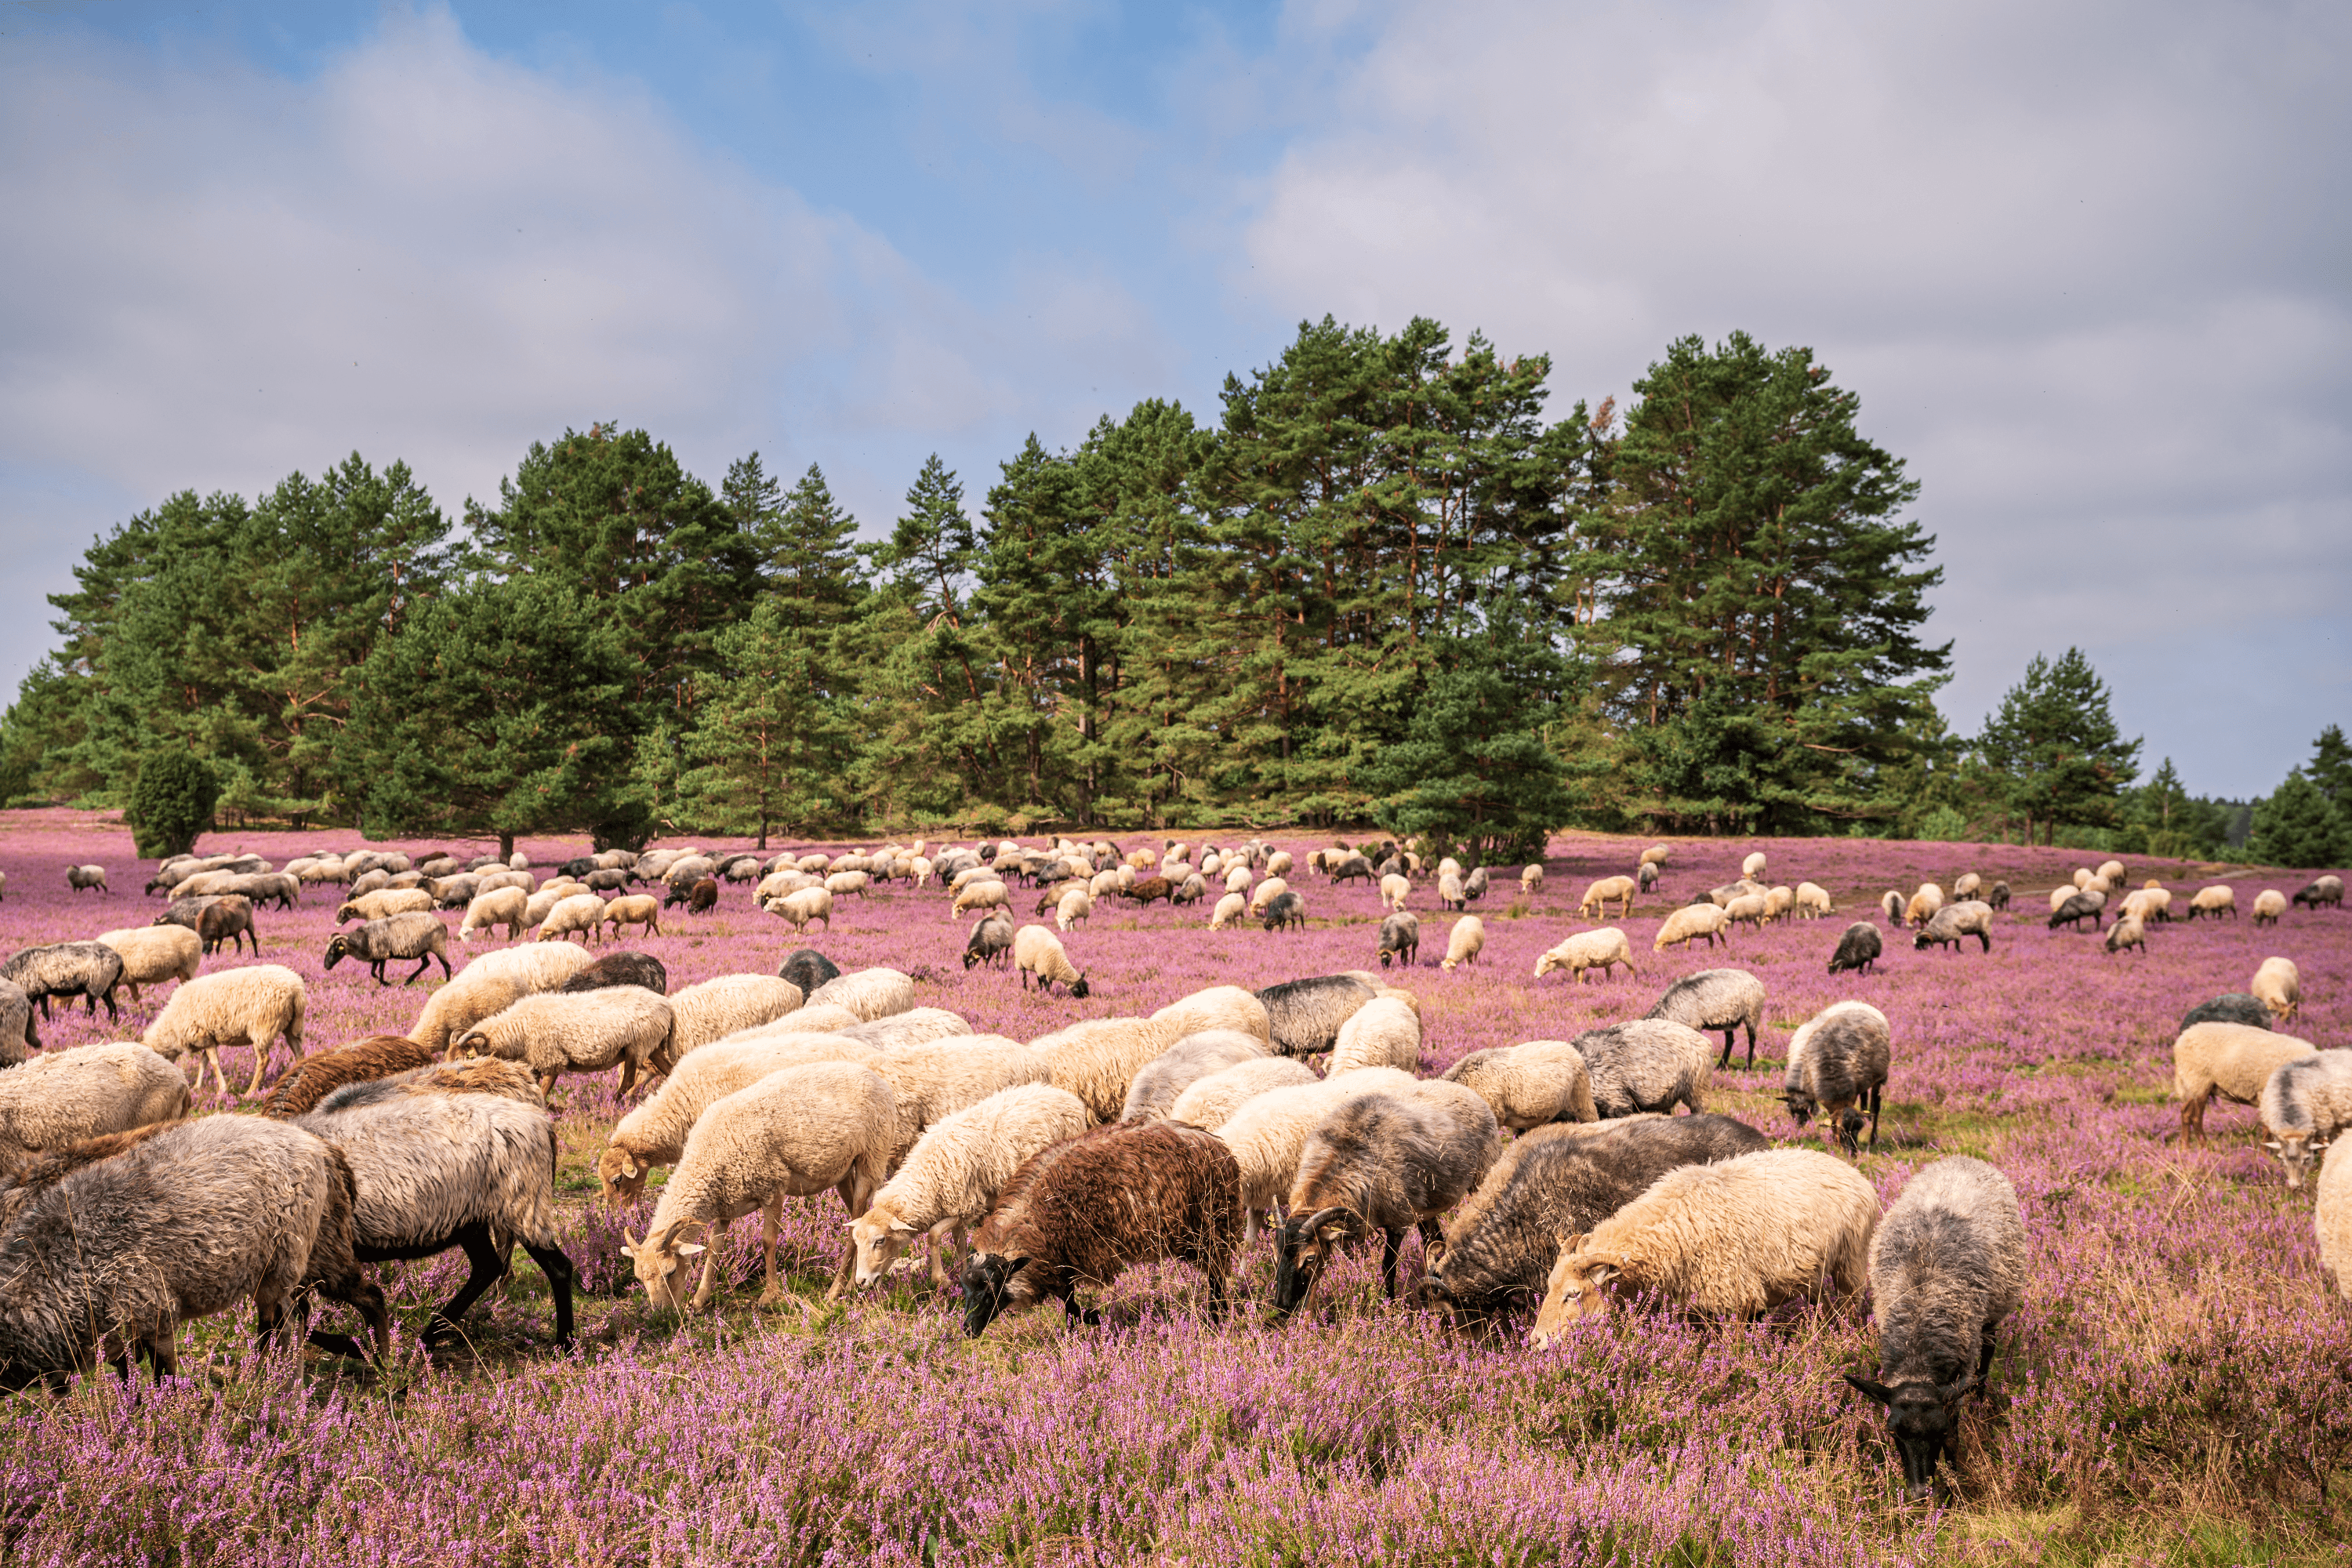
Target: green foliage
x,y
1944,825
764,737
2330,767
171,804
2298,827
2054,746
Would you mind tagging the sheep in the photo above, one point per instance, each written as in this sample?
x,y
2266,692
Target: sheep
x,y
438,1171
581,913
313,1078
118,1253
2126,932
1689,924
621,968
2269,905
380,905
1810,901
2059,895
1966,884
1529,1085
1210,1101
1649,1064
1559,1181
1594,905
1602,950
1400,939
2083,876
1286,910
1474,886
1738,1237
1277,864
1713,999
1947,1266
90,970
1648,875
1267,1131
1172,1189
915,1026
1837,1066
1923,905
420,936
1159,1082
1722,897
17,1035
2235,1007
1230,907
1266,892
1857,949
792,1134
2304,1105
553,1034
1952,925
1383,1032
990,940
981,895
808,968
152,954
1999,897
1891,904
870,993
82,878
952,1177
936,1080
2321,893
653,1134
2230,1061
254,1006
1748,909
1350,868
2081,906
82,1093
1305,1016
1038,952
1075,906
715,1008
1384,1161
1450,893
2278,985
1531,878
499,907
2150,905
2216,901
1463,942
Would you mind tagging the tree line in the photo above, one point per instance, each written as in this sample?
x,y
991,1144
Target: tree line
x,y
1381,585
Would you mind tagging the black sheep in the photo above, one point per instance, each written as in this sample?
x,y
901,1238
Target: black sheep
x,y
1857,949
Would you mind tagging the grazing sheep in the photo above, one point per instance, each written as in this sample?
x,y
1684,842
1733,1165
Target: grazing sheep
x,y
1450,893
499,907
1649,1064
2230,1061
2278,985
65,1096
1966,884
653,1133
1811,901
1531,878
2150,905
420,936
152,954
957,1169
792,1134
915,1026
313,1078
1561,1181
1305,1016
1266,1130
1953,924
1038,952
870,993
1722,897
17,1035
382,905
1388,1163
1474,886
1923,905
1075,906
1594,905
808,968
1648,875
1748,909
2304,1105
981,895
1230,907
725,1005
554,1033
1737,1238
1947,1265
1689,924
2332,1218
1286,910
1655,855
2269,905
2060,894
990,940
1210,1101
2216,901
640,910
1529,1085
840,884
82,878
1837,1066
90,969
1999,897
114,1257
1722,999
1602,950
1385,1032
801,909
1400,939
1266,892
2081,906
1857,949
256,1006
1084,1211
2126,932
1394,891
2322,892
934,1081
581,913
2235,1007
1463,942
1159,1082
1753,866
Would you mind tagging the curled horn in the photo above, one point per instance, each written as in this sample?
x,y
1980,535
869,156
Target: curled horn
x,y
1321,1217
1947,1393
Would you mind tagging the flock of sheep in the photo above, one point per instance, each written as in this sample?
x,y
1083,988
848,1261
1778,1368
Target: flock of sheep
x,y
1551,1176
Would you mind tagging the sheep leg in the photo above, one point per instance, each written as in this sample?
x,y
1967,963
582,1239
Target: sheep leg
x,y
709,1284
1984,1359
1752,1044
771,1216
490,1265
1392,1242
1876,1091
2192,1115
628,1077
260,1064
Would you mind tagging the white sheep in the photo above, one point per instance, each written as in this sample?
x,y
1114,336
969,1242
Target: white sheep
x,y
1594,905
2305,1105
152,954
1689,924
1602,950
2126,932
641,910
1814,901
1038,952
712,1009
1075,906
1266,892
1463,942
253,1006
2332,1218
554,1033
2215,901
951,1180
2278,985
1238,880
792,1134
1385,1032
62,1097
582,913
1394,891
933,1081
870,993
653,1133
2231,1060
1777,902
499,907
1753,866
1209,1102
1529,1085
1531,879
530,967
384,903
990,894
801,909
1230,907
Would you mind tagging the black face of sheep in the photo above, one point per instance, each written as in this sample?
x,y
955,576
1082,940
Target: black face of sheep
x,y
1080,988
1302,1250
2075,910
1857,949
1922,1418
987,1281
808,968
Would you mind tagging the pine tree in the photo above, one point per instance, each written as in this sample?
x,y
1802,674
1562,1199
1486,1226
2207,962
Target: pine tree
x,y
2298,826
761,731
2055,743
811,555
2330,768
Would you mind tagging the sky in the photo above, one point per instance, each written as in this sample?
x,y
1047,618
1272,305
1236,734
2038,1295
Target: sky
x,y
2087,266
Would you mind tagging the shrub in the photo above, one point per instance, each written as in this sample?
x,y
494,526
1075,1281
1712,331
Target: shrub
x,y
172,803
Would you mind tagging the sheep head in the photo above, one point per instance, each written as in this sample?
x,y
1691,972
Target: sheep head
x,y
1576,1291
880,1238
621,1174
1302,1249
1922,1416
338,948
988,1280
659,1260
2296,1151
1850,1124
1080,989
1801,1106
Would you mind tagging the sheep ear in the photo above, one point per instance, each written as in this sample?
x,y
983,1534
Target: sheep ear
x,y
1570,1243
1877,1391
1948,1392
688,1248
1601,1274
902,1227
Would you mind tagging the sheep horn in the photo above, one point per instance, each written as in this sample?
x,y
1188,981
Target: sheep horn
x,y
1948,1392
1321,1217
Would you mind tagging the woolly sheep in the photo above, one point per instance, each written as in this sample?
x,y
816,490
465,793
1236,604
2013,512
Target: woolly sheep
x,y
1966,884
808,968
2126,932
419,935
2084,905
1602,950
1038,952
870,993
982,895
715,1008
500,906
553,1033
1890,904
17,1035
990,940
1267,1131
152,954
1648,1063
1748,909
581,913
1385,1032
2215,901
1529,1085
653,1133
1689,924
2112,873
1531,878
1266,892
915,1026
640,910
1451,895
2060,895
82,1093
378,906
1277,864
1947,1265
1394,891
1230,907
2150,905
957,1169
1401,938
1837,1066
1594,905
313,1078
1463,942
2304,1105
932,1081
2278,985
1075,906
1210,1101
2322,892
799,910
1305,1016
1286,912
2332,1218
1952,926
1857,949
254,1006
1923,905
792,1134
1712,999
2230,1061
82,878
1737,1238
90,969
2234,1007
1159,1082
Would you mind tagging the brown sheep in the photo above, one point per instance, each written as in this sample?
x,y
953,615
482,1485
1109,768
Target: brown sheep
x,y
313,1078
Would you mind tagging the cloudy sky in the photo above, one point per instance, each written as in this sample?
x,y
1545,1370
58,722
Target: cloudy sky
x,y
2086,265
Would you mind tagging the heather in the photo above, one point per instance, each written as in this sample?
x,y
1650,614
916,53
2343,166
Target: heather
x,y
2173,1391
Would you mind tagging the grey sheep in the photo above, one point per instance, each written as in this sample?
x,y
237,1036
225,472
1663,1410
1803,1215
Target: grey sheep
x,y
2083,906
420,936
1998,896
1286,910
1400,939
1355,868
85,1092
1529,1085
1715,999
1159,1081
2234,1007
90,969
1857,949
1837,1064
991,942
2305,1103
82,878
1952,925
808,968
16,1032
1649,1064
2322,892
1947,1265
1304,1016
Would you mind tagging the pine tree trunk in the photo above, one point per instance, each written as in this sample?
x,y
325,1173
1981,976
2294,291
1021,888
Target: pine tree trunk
x,y
506,847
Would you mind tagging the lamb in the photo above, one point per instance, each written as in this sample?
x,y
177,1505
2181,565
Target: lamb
x,y
150,956
2216,901
1529,1085
2321,893
956,1171
1560,1181
1171,1188
2226,1059
82,878
981,895
1837,1066
2269,905
554,1034
1689,924
640,910
1857,949
2126,932
1385,1161
1286,910
1161,1080
313,1078
64,1096
1400,939
1952,925
90,969
2304,1105
252,1006
808,968
653,1133
118,1254
1267,1131
792,1134
1594,905
2235,1007
1385,1032
715,1008
1210,1102
420,936
2278,985
379,905
1305,1016
1649,1064
1947,1265
438,1171
1038,952
1075,905
1738,1237
1717,999
499,907
990,940
16,1033
2081,906
1463,942
1230,907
